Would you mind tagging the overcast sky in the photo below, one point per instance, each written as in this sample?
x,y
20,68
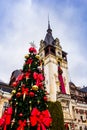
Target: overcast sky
x,y
25,21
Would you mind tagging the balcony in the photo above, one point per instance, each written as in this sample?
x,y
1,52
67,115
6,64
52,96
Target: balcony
x,y
61,96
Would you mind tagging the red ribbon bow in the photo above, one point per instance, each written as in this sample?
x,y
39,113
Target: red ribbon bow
x,y
39,78
43,119
7,117
60,77
27,74
29,61
25,91
2,120
20,77
22,124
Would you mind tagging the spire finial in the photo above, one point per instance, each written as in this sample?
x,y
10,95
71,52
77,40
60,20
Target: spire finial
x,y
48,22
49,29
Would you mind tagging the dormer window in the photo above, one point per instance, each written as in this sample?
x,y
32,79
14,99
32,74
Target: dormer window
x,y
49,50
64,55
52,50
46,51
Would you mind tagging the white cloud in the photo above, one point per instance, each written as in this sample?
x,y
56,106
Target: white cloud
x,y
26,22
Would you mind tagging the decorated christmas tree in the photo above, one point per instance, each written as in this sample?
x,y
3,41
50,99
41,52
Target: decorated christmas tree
x,y
28,109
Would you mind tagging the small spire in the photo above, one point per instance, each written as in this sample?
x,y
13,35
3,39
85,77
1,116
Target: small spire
x,y
49,38
49,29
48,22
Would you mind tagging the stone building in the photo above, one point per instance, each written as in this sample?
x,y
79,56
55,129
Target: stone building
x,y
5,95
79,106
73,99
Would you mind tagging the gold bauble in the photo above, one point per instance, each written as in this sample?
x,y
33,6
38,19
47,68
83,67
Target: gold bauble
x,y
13,91
26,56
37,56
35,87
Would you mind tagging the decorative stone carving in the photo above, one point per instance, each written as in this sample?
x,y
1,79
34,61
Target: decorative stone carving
x,y
41,44
57,42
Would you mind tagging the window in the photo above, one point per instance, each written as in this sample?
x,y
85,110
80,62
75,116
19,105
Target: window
x,y
46,51
52,50
81,117
80,127
58,63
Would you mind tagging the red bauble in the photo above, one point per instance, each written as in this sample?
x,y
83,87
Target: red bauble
x,y
31,94
14,84
45,98
18,94
32,50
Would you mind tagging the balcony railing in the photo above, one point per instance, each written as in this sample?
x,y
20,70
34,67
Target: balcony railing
x,y
63,96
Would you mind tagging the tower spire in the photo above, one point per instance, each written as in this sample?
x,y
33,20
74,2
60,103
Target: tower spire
x,y
49,28
49,38
48,22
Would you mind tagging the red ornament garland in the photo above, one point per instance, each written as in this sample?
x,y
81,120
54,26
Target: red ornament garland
x,y
61,80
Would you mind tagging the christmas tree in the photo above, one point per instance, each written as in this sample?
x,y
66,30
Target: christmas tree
x,y
28,109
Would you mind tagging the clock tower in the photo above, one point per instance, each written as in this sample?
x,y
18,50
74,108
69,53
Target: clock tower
x,y
55,66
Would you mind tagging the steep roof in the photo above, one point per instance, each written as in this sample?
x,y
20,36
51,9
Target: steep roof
x,y
84,89
49,40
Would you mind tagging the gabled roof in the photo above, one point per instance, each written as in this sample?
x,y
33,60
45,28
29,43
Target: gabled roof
x,y
84,89
5,87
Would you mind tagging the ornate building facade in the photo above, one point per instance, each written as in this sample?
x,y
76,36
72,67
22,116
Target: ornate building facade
x,y
5,94
57,83
79,106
